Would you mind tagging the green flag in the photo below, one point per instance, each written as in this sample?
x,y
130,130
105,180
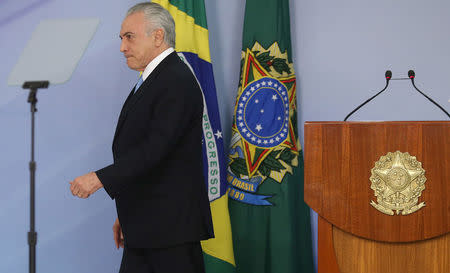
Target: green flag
x,y
269,219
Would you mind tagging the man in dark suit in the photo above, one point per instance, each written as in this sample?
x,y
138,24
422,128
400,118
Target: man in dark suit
x,y
156,178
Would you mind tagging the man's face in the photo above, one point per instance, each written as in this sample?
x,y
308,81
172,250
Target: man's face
x,y
137,47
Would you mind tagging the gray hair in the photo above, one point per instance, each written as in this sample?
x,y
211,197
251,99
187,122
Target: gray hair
x,y
157,17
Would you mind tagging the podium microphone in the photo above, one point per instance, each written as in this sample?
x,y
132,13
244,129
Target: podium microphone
x,y
388,76
412,75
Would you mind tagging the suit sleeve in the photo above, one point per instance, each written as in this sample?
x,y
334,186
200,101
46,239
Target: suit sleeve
x,y
172,114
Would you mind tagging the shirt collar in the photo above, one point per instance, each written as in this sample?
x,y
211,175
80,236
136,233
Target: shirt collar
x,y
154,63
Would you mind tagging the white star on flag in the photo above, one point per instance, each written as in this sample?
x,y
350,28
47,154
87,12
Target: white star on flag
x,y
258,127
218,134
274,97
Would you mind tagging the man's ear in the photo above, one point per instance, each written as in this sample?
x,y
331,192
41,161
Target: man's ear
x,y
159,37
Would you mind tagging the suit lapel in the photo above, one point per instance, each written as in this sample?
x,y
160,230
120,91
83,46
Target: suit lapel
x,y
122,115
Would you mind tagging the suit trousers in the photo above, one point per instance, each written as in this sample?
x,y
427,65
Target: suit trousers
x,y
184,258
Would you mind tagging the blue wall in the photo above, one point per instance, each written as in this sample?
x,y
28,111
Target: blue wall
x,y
341,50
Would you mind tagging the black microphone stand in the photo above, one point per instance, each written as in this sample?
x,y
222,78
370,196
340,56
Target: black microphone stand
x,y
412,75
32,234
388,76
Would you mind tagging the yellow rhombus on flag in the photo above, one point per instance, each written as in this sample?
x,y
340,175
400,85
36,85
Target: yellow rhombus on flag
x,y
192,45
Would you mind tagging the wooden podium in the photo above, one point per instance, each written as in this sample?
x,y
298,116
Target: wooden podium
x,y
355,237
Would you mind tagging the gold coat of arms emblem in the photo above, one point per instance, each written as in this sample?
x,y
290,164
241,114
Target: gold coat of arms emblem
x,y
398,181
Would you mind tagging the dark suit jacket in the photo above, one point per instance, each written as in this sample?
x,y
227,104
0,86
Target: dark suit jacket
x,y
156,178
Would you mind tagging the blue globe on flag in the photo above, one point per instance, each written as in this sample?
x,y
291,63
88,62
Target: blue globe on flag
x,y
262,114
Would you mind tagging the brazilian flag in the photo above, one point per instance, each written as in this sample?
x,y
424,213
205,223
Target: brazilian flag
x,y
193,47
269,219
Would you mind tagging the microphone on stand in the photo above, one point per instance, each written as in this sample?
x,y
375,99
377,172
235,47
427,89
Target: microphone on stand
x,y
412,75
388,76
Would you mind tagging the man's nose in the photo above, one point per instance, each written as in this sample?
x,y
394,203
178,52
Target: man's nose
x,y
123,46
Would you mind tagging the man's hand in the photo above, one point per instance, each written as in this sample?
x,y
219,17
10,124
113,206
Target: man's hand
x,y
85,185
118,235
